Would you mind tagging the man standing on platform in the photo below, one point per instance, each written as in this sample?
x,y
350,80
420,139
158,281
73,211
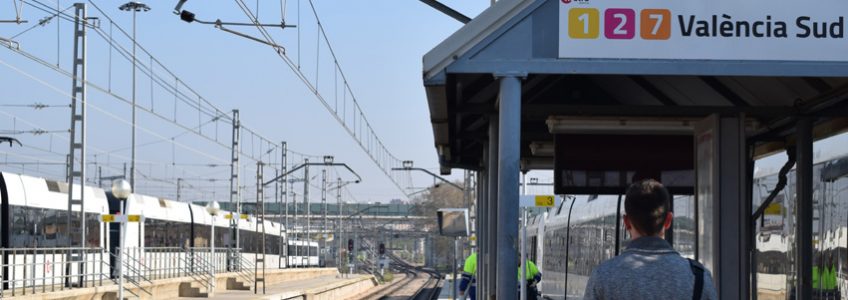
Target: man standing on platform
x,y
649,268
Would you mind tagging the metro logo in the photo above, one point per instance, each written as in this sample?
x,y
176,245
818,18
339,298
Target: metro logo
x,y
619,23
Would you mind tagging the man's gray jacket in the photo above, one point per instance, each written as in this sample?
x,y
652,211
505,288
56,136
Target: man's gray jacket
x,y
648,269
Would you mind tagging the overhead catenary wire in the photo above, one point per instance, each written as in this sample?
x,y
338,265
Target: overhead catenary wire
x,y
382,157
182,93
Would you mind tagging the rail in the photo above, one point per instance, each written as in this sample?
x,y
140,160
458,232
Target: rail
x,y
33,270
25,271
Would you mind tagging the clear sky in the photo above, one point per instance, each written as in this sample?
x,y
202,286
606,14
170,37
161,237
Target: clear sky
x,y
379,45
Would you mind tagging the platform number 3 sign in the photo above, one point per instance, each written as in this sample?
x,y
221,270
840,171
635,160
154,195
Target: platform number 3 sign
x,y
619,23
545,201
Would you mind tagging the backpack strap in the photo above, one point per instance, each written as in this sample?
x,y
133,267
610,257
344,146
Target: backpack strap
x,y
698,271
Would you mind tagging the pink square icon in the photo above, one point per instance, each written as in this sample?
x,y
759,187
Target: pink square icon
x,y
619,23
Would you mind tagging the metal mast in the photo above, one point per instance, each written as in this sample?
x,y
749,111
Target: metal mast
x,y
284,243
260,228
324,199
339,221
76,173
234,187
306,203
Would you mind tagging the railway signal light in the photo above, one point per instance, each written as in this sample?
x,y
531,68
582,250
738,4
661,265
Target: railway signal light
x,y
350,245
382,249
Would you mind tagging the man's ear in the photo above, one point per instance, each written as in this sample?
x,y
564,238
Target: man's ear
x,y
627,224
668,218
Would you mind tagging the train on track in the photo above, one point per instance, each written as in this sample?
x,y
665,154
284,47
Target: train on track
x,y
569,241
34,233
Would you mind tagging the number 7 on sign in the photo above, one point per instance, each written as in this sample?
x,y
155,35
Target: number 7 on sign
x,y
655,24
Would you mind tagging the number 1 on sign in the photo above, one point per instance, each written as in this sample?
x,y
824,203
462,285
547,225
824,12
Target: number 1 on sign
x,y
583,23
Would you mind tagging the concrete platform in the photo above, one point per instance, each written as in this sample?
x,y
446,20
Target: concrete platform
x,y
172,287
319,288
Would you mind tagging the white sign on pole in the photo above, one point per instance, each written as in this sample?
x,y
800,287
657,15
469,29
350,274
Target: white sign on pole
x,y
781,30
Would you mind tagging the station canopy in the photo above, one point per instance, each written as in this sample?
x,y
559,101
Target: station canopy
x,y
614,100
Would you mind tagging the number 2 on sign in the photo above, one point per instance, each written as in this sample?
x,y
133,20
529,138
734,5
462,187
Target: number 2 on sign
x,y
583,23
619,23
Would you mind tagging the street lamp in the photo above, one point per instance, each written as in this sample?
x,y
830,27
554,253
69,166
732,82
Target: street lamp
x,y
213,208
122,190
134,7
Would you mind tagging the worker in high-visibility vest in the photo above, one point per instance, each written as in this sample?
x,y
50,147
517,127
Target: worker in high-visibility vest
x,y
533,278
468,284
469,277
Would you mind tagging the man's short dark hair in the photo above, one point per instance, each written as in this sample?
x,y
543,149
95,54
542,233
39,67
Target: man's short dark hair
x,y
646,204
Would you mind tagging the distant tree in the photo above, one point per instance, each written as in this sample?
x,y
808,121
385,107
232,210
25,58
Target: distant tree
x,y
426,204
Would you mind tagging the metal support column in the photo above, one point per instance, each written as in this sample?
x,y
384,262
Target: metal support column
x,y
76,172
732,209
483,231
492,210
472,211
284,233
480,216
804,188
259,271
235,197
306,205
509,154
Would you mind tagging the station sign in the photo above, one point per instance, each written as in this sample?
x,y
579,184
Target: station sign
x,y
539,200
761,30
107,218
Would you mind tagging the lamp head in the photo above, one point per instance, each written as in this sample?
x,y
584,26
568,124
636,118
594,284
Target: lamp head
x,y
134,6
121,189
407,164
328,159
213,208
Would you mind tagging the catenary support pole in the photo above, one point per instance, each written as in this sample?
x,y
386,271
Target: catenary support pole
x,y
284,244
307,207
235,197
509,153
338,228
76,167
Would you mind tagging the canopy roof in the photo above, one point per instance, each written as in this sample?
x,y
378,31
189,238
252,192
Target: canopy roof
x,y
520,37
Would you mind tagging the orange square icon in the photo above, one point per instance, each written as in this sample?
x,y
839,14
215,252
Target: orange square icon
x,y
655,24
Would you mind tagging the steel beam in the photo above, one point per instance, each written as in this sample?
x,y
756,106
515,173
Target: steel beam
x,y
509,154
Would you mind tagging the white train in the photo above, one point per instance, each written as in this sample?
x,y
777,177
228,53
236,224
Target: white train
x,y
34,235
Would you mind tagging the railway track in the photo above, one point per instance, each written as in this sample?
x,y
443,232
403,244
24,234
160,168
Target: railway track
x,y
412,286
